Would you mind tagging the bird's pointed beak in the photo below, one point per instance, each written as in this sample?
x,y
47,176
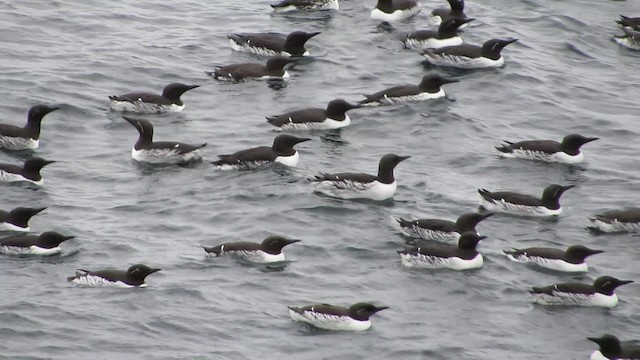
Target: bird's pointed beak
x,y
624,282
510,41
49,162
595,340
303,140
481,238
355,106
565,188
292,241
154,270
593,252
380,308
314,34
69,238
403,158
449,81
192,87
37,210
468,20
591,139
487,215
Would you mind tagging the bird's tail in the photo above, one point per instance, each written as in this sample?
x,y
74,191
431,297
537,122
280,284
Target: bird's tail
x,y
486,194
368,100
506,147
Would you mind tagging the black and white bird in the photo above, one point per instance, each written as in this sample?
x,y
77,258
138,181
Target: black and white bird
x,y
455,10
305,5
332,317
524,205
281,152
268,251
612,349
629,22
333,117
599,294
429,88
161,152
570,260
28,137
630,39
395,10
468,56
273,69
45,244
29,172
18,218
567,151
625,220
132,277
463,256
445,35
441,230
272,43
147,103
359,185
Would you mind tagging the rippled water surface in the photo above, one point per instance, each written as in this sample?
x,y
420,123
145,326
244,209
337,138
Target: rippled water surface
x,y
565,75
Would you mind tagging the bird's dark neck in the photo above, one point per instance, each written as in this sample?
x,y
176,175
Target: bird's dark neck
x,y
385,174
335,114
551,203
33,128
467,254
570,150
144,139
385,6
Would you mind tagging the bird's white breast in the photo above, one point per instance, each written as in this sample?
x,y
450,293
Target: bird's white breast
x,y
597,355
462,62
18,143
284,76
346,189
165,156
397,15
143,107
289,160
432,43
435,262
12,227
11,177
573,299
254,256
96,281
515,209
330,322
31,250
327,124
616,226
552,264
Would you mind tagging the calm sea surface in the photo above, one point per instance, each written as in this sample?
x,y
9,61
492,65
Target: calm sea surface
x,y
565,75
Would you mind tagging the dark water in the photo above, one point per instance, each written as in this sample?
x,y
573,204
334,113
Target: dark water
x,y
565,75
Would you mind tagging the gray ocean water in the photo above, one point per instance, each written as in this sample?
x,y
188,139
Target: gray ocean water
x,y
565,75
